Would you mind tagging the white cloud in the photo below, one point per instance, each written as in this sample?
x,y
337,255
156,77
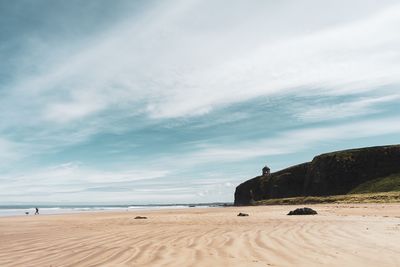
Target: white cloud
x,y
70,181
9,151
72,177
292,141
171,69
74,183
359,107
189,58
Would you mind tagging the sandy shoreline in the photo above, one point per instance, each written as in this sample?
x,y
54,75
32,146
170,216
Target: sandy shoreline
x,y
341,235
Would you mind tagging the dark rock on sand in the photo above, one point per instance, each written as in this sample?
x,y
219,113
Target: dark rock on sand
x,y
242,214
335,173
302,211
140,217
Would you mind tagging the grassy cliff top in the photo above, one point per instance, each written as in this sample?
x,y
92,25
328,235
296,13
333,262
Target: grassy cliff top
x,y
349,152
383,197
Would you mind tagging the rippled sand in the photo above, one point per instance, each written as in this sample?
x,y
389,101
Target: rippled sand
x,y
346,235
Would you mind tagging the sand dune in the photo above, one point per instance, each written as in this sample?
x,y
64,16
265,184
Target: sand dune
x,y
345,235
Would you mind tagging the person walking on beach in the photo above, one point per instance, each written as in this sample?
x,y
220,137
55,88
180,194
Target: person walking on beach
x,y
37,211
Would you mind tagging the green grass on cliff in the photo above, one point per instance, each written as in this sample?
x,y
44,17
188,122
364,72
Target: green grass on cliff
x,y
380,190
383,197
384,184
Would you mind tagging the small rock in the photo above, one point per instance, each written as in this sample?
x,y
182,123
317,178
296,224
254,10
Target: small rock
x,y
302,211
140,217
242,214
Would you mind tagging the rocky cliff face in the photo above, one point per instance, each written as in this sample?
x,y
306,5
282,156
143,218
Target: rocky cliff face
x,y
327,174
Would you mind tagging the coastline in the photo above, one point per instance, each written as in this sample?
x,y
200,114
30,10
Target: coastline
x,y
18,211
340,235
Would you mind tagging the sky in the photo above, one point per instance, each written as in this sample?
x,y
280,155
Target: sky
x,y
144,102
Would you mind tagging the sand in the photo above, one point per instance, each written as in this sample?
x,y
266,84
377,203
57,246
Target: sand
x,y
340,235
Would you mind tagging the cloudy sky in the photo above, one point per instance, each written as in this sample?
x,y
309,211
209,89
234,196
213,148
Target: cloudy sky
x,y
179,101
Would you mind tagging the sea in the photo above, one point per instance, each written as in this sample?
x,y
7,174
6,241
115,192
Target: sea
x,y
25,210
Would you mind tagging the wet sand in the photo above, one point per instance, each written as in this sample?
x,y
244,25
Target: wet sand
x,y
340,235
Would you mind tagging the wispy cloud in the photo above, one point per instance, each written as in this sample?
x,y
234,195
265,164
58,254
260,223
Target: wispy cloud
x,y
292,141
74,183
170,87
354,108
120,70
72,178
9,151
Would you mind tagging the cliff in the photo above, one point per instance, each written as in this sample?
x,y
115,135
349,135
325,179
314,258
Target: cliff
x,y
334,173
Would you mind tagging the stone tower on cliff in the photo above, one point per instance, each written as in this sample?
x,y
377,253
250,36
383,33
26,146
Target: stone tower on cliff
x,y
266,171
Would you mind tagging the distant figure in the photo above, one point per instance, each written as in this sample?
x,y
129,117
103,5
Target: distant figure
x,y
37,211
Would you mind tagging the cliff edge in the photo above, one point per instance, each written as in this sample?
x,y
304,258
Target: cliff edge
x,y
335,173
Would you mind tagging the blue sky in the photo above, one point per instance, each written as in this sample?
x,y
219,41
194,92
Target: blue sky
x,y
180,101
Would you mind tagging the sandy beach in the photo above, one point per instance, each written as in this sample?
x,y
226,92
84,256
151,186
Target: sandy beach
x,y
340,235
